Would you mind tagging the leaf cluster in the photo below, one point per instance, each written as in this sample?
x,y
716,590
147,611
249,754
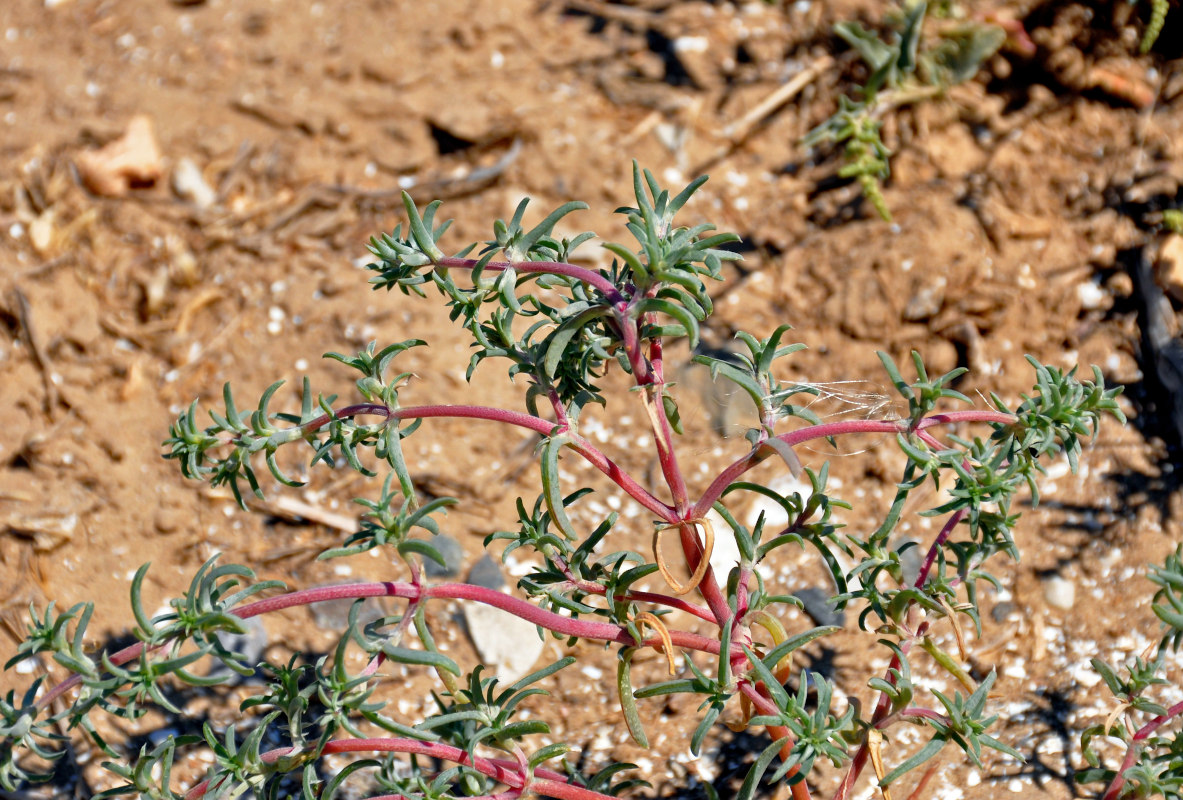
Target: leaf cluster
x,y
1148,729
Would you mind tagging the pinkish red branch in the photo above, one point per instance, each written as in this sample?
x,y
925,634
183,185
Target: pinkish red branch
x,y
565,626
591,278
1135,747
831,429
545,782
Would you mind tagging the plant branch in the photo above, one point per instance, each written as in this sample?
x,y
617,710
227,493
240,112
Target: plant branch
x,y
551,784
590,277
544,427
826,430
565,626
1135,747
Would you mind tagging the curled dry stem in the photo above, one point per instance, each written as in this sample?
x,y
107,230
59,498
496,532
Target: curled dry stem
x,y
957,632
654,623
875,746
708,547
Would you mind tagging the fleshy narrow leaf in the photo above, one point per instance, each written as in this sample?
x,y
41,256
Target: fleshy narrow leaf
x,y
704,727
752,780
679,313
934,746
785,451
564,334
551,489
773,656
624,688
405,655
541,674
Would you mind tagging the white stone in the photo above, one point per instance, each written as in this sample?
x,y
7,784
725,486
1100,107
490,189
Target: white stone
x,y
1090,294
691,44
190,185
725,555
508,645
1059,592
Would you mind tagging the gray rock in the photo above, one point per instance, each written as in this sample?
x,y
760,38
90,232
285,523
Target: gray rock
x,y
333,615
1002,610
486,572
507,644
250,645
453,555
910,561
926,303
816,603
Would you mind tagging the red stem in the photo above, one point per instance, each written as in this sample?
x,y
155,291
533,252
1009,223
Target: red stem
x,y
590,277
825,430
584,629
883,705
547,782
591,588
672,602
1135,747
648,374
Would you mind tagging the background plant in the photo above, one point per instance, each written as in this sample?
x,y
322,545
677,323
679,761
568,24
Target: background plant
x,y
559,327
913,63
1147,730
909,66
1154,26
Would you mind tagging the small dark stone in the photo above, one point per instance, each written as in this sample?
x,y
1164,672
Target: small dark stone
x,y
453,555
1002,610
487,573
816,603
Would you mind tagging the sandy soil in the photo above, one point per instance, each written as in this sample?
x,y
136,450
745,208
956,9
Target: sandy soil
x,y
1021,201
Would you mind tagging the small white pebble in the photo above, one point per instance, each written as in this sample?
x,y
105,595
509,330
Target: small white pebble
x,y
691,44
1059,592
1090,294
